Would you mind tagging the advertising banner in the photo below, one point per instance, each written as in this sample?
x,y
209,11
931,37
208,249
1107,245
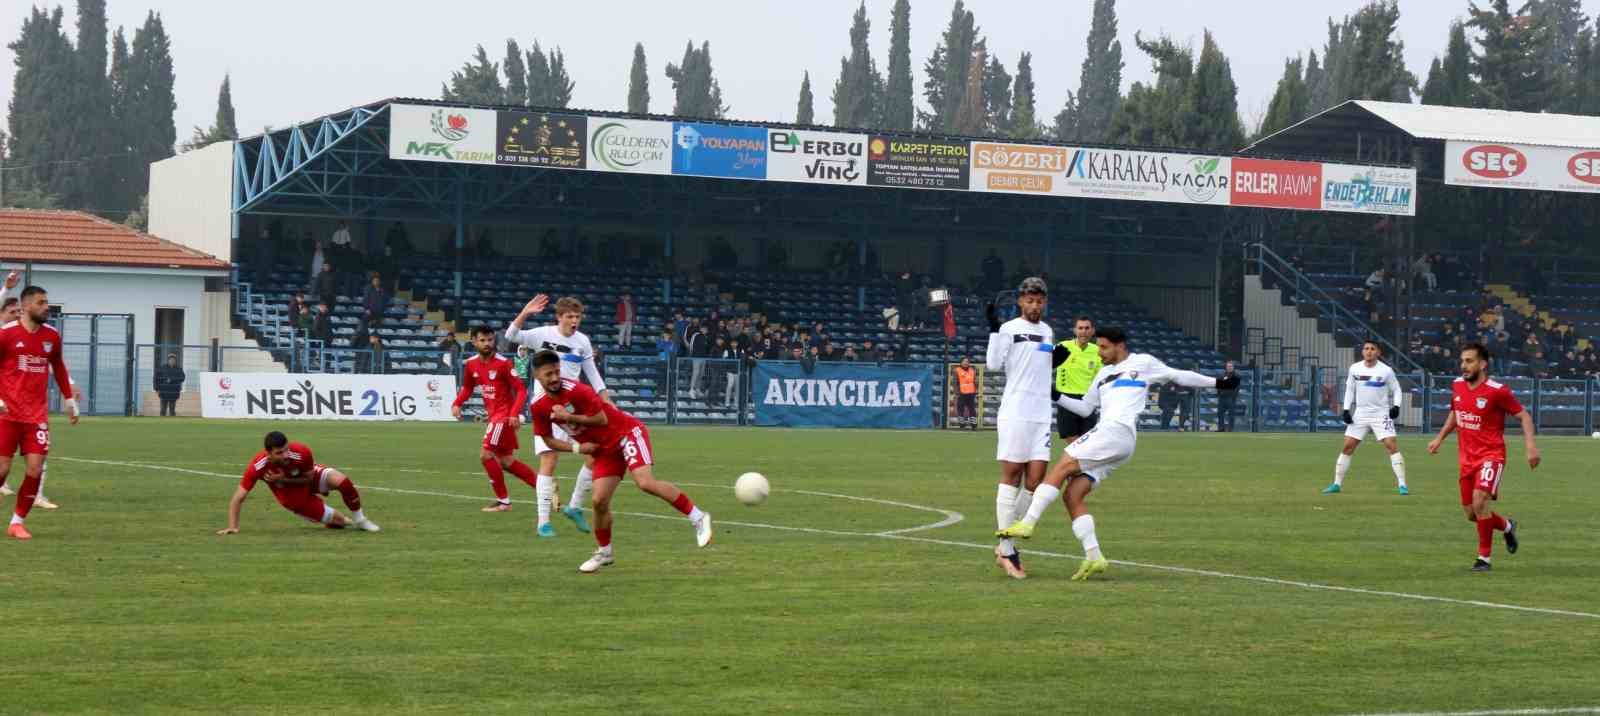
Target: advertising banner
x,y
441,134
630,145
324,396
1147,176
817,157
1523,166
843,395
541,139
1277,184
716,150
918,163
1369,190
1018,168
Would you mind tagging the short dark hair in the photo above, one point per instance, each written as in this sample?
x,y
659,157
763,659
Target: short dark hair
x,y
1115,335
1374,343
275,440
1082,319
544,358
481,329
31,290
1481,349
10,301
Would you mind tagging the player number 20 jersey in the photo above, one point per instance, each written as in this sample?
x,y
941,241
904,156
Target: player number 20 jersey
x,y
1371,391
1022,349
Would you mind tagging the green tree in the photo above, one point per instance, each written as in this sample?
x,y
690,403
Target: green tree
x,y
694,84
1588,71
223,128
124,134
561,85
1209,114
1087,114
1024,122
38,133
1450,78
1563,22
947,71
150,79
516,74
804,112
91,108
639,82
972,117
997,98
1149,114
539,79
856,94
899,111
1510,65
1289,101
477,82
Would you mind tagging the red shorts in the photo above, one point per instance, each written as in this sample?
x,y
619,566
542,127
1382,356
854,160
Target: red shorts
x,y
630,452
306,500
310,507
31,438
500,439
1485,476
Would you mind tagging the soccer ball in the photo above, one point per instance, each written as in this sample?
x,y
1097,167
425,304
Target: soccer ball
x,y
751,488
1596,435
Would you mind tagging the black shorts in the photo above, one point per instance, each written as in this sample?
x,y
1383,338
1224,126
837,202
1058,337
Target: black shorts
x,y
966,404
1069,424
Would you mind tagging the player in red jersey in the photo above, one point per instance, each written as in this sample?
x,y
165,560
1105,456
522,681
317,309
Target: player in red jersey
x,y
11,310
1478,409
298,483
504,395
619,443
29,351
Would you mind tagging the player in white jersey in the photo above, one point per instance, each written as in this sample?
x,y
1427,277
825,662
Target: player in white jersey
x,y
1371,402
1022,347
1119,391
577,358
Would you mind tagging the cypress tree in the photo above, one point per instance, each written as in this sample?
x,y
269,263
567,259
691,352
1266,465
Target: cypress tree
x,y
639,83
898,108
804,113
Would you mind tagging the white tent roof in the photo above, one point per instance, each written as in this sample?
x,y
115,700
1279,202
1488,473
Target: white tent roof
x,y
1487,125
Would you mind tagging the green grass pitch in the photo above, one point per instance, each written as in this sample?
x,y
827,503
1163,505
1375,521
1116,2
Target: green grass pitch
x,y
126,602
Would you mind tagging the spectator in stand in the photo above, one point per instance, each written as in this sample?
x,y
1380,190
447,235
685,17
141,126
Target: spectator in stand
x,y
319,263
1423,269
303,322
699,348
886,354
1531,347
374,301
295,302
828,354
769,349
1376,279
1227,399
1538,366
322,327
374,356
627,314
342,248
1167,401
666,346
870,353
327,285
169,385
679,326
729,366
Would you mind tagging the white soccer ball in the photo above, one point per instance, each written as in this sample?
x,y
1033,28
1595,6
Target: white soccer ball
x,y
751,488
1596,435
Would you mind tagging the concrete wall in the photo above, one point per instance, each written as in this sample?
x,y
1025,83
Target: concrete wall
x,y
93,289
191,199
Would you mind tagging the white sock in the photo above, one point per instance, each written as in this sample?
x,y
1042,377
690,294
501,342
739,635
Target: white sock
x,y
545,490
1024,501
1083,529
15,519
695,514
1398,462
1340,467
1043,497
360,515
580,491
1005,498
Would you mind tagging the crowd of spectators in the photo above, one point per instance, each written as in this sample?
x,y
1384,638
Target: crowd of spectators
x,y
1548,351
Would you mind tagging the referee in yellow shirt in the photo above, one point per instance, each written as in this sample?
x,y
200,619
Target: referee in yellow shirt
x,y
1079,361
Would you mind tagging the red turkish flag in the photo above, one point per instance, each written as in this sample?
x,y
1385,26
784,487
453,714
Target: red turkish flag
x,y
949,321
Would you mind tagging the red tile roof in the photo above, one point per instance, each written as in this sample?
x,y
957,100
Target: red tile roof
x,y
73,237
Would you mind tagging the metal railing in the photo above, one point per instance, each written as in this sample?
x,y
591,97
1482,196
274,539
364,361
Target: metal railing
x,y
1329,307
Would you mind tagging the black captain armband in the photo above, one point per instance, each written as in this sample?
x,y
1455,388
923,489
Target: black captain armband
x,y
993,315
1059,355
1394,412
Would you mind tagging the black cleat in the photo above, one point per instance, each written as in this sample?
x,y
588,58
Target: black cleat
x,y
1481,565
1511,535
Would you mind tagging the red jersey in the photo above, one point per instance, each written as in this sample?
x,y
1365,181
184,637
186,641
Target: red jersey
x,y
503,393
299,465
580,399
1481,420
26,360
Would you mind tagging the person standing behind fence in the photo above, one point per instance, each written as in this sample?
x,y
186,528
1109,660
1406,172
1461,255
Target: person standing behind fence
x,y
1079,359
967,393
169,385
626,315
1227,398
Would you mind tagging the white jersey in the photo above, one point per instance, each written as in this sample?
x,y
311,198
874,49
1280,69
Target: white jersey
x,y
1120,390
1371,391
1022,349
577,355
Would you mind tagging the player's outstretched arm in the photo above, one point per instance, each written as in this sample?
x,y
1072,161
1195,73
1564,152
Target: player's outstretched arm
x,y
532,308
573,447
1527,440
1444,431
1078,407
1191,379
239,493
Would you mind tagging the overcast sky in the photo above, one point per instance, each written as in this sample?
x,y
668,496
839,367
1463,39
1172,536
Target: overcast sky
x,y
295,60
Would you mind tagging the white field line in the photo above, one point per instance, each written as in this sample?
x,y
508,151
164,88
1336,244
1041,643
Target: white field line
x,y
1497,712
985,547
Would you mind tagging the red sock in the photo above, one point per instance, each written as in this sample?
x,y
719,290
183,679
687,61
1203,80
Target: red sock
x,y
524,473
352,498
602,536
1499,523
1485,536
683,503
497,478
26,495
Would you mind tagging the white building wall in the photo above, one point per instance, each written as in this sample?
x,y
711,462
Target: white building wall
x,y
96,289
191,199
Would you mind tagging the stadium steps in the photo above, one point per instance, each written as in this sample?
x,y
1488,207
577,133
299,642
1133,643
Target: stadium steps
x,y
1521,304
236,359
1264,308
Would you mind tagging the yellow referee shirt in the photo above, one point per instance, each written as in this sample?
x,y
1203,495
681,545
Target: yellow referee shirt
x,y
1083,362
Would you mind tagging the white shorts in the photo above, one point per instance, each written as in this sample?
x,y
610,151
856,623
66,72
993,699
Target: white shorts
x,y
1379,424
557,432
1104,448
1022,441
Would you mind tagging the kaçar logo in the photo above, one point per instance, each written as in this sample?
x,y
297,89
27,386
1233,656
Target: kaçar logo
x,y
452,127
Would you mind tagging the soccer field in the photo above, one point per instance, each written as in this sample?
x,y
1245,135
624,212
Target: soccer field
x,y
866,584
